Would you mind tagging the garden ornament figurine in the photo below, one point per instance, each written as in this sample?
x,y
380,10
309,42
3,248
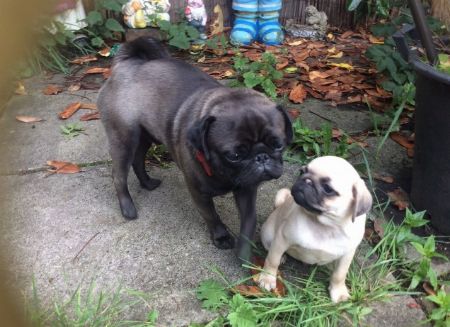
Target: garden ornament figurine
x,y
143,13
195,13
315,27
257,20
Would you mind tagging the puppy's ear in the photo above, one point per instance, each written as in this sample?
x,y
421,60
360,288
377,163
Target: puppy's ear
x,y
198,134
362,199
287,125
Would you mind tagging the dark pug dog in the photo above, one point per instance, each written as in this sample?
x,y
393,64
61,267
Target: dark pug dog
x,y
223,140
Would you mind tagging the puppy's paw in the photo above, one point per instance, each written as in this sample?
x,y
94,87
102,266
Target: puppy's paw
x,y
128,209
338,293
150,184
267,281
222,239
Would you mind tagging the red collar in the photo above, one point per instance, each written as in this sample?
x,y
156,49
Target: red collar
x,y
200,156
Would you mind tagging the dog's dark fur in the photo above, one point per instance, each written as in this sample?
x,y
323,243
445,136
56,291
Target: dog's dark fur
x,y
151,98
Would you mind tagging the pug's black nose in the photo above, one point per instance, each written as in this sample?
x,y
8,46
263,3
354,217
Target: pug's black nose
x,y
262,157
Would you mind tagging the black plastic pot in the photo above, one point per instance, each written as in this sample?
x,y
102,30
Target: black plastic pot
x,y
430,188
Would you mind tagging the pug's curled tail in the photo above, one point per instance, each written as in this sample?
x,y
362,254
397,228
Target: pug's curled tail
x,y
141,49
282,196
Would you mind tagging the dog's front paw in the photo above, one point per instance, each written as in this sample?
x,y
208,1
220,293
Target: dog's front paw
x,y
338,293
221,238
267,281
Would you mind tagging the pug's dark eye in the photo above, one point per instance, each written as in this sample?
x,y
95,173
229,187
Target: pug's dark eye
x,y
328,189
238,154
276,144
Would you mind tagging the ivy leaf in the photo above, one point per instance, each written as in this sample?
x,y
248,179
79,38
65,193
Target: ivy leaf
x,y
179,42
113,25
242,313
269,88
94,17
212,294
112,5
251,79
97,42
192,32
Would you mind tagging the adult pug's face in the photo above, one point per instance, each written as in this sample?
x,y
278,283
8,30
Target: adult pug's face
x,y
246,145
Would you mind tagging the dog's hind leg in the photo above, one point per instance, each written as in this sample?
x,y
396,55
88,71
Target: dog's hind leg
x,y
139,165
122,151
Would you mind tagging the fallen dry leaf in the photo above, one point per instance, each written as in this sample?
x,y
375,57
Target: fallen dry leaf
x,y
413,305
247,290
90,116
378,227
105,52
317,74
295,43
298,94
410,152
384,178
341,65
401,139
293,113
282,63
399,198
376,40
83,59
52,89
63,167
97,70
428,288
347,34
74,87
20,89
89,106
69,110
28,119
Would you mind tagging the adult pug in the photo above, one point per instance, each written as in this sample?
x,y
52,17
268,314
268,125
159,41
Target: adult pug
x,y
321,220
223,140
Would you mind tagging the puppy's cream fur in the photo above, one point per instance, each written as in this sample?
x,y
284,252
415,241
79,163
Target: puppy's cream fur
x,y
319,238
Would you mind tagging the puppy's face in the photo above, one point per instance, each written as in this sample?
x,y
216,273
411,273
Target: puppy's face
x,y
244,145
330,186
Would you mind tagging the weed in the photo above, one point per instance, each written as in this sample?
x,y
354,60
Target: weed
x,y
441,314
158,154
71,130
309,143
100,28
259,75
178,35
86,307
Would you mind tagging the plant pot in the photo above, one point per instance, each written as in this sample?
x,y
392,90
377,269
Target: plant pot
x,y
430,188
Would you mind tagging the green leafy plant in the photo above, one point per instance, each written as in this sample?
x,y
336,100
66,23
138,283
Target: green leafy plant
x,y
259,75
100,27
441,314
71,130
159,155
179,35
424,271
444,63
218,42
309,143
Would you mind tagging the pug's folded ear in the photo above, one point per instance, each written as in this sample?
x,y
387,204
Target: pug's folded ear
x,y
362,199
287,124
198,134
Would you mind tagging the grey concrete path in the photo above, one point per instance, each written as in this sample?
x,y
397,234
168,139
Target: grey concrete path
x,y
66,230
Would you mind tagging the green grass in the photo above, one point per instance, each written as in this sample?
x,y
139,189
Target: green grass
x,y
88,308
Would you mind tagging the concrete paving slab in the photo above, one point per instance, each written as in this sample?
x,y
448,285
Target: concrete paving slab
x,y
166,251
26,145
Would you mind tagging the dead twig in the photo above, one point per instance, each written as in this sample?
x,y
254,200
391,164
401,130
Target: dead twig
x,y
81,250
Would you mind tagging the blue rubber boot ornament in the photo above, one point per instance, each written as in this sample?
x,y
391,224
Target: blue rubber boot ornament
x,y
245,29
269,29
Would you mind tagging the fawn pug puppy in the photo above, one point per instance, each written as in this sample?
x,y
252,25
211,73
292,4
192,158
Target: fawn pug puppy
x,y
222,139
321,220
